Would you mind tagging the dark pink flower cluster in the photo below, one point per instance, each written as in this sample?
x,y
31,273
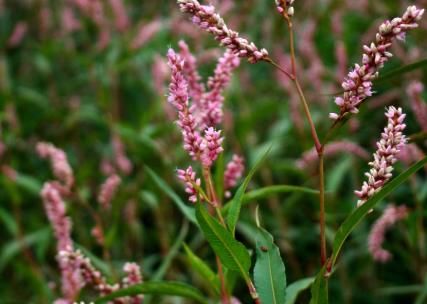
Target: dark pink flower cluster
x,y
391,215
358,84
391,142
207,19
188,176
233,172
108,189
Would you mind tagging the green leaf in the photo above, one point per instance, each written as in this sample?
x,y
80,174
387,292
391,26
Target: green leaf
x,y
359,213
402,70
236,203
9,250
157,288
267,191
232,253
173,251
205,272
185,209
294,289
269,271
319,289
28,183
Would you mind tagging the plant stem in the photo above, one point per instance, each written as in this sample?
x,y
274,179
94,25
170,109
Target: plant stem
x,y
225,299
322,209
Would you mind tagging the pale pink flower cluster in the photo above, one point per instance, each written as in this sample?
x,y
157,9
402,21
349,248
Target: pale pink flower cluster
x,y
145,32
121,18
123,163
391,215
418,105
87,273
195,88
178,97
233,172
211,146
285,7
107,191
188,176
343,146
18,34
90,276
207,19
59,164
206,148
61,224
358,84
391,142
133,276
214,99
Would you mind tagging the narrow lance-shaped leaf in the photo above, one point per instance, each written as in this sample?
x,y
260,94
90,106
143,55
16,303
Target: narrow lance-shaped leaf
x,y
232,253
236,203
294,289
269,271
157,288
185,209
205,272
268,191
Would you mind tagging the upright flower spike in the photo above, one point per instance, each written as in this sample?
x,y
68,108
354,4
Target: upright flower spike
x,y
419,107
107,191
188,177
388,148
211,146
207,19
358,84
233,172
59,163
213,100
61,224
178,97
391,215
195,88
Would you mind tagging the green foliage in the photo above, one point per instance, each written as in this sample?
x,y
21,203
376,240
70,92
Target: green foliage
x,y
157,288
232,253
269,270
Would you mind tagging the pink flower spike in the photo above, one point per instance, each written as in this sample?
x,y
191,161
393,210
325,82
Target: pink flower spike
x,y
188,176
133,276
418,105
391,143
207,19
211,146
233,172
213,100
59,163
195,87
358,83
178,97
391,215
108,189
61,224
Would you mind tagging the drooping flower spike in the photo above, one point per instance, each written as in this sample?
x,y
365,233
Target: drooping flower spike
x,y
207,19
358,84
391,142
